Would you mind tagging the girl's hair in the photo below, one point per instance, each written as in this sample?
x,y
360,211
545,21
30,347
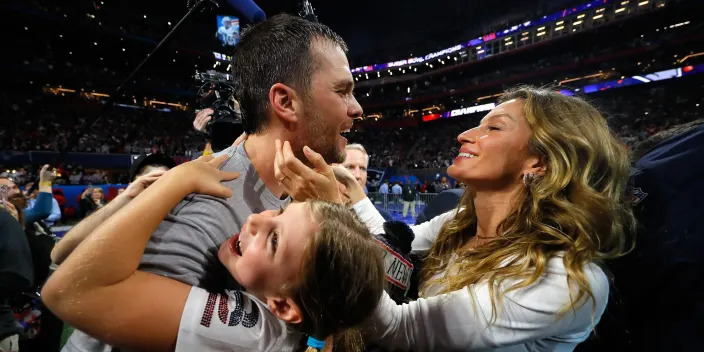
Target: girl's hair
x,y
341,278
578,209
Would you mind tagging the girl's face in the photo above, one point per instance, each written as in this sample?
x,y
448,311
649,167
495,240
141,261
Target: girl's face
x,y
267,253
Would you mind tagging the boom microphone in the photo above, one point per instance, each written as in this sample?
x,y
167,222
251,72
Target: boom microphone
x,y
249,9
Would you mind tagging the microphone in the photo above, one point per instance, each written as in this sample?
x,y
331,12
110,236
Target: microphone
x,y
307,12
249,9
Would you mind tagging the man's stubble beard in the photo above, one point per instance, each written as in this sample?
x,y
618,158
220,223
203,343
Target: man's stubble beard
x,y
320,137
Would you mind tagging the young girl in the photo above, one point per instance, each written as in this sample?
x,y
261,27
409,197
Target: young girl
x,y
516,266
312,265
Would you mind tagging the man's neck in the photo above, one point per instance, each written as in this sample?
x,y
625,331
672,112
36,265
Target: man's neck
x,y
261,152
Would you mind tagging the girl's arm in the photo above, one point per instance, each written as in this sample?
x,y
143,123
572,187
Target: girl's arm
x,y
98,288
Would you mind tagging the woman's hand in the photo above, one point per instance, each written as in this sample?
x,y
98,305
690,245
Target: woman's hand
x,y
353,190
302,182
203,176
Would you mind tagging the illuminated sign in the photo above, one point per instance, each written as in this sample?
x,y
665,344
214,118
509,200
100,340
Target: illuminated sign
x,y
470,110
487,37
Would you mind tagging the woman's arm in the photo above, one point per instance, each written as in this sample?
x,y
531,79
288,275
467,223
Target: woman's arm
x,y
458,321
425,233
98,288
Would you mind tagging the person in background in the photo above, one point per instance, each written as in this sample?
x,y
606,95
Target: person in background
x,y
357,160
43,204
55,208
666,191
409,194
396,190
16,273
384,193
92,199
144,171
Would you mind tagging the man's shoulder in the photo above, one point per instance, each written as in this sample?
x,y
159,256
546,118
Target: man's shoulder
x,y
237,159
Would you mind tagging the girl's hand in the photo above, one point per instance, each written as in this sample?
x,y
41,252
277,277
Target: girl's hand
x,y
203,176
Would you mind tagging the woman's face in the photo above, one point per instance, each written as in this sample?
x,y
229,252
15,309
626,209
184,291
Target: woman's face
x,y
495,154
97,194
267,252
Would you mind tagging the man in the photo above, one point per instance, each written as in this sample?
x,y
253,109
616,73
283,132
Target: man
x,y
409,199
396,191
226,31
357,160
16,274
384,192
147,163
294,84
666,192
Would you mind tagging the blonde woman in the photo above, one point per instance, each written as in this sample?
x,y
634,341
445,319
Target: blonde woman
x,y
516,267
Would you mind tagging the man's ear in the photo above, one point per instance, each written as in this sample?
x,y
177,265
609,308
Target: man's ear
x,y
284,102
285,309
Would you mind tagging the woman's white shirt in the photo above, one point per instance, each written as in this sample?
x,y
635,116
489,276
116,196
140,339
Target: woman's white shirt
x,y
526,319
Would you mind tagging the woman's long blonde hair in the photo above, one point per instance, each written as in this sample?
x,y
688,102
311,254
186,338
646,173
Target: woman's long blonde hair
x,y
578,209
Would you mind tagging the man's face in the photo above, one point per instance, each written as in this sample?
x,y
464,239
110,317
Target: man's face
x,y
12,188
356,162
330,106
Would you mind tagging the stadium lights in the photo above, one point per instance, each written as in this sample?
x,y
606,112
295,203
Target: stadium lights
x,y
597,17
391,73
577,23
507,39
415,69
525,38
61,35
541,28
540,34
95,43
378,74
509,43
600,10
403,71
624,2
169,23
559,23
620,10
480,51
559,28
581,16
643,3
431,65
145,17
123,49
356,79
26,29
